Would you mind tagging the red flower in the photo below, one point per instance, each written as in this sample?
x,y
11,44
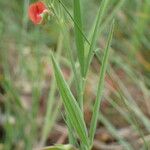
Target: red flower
x,y
35,12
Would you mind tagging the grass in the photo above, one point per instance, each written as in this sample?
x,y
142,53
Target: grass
x,y
37,63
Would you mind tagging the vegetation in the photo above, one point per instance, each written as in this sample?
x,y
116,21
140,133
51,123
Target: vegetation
x,y
80,79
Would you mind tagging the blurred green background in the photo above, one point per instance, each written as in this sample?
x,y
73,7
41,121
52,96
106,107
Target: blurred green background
x,y
27,83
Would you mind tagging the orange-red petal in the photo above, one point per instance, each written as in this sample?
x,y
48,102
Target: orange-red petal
x,y
35,10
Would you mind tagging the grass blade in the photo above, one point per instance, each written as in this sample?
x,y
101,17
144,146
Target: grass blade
x,y
78,35
101,12
100,86
71,105
104,24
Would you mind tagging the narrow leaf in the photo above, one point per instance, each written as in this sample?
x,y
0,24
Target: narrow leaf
x,y
100,86
78,35
101,13
71,106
